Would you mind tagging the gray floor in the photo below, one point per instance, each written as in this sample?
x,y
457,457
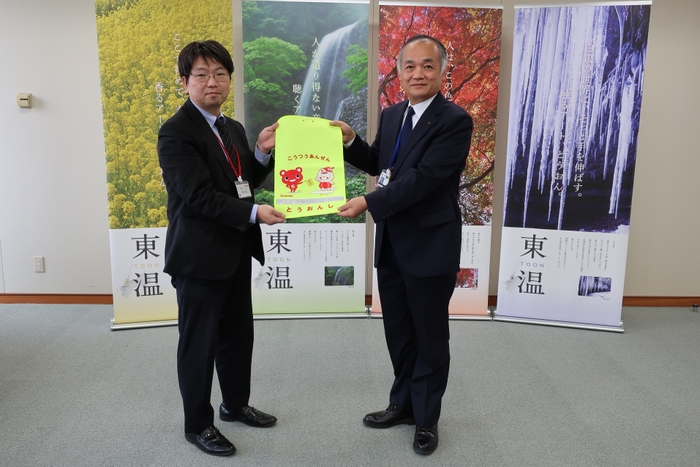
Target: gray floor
x,y
74,393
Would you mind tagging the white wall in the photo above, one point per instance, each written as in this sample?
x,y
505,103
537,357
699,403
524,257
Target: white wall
x,y
664,249
53,198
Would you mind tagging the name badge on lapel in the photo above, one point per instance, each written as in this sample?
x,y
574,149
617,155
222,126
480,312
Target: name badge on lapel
x,y
384,178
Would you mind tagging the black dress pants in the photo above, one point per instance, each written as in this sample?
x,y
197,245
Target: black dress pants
x,y
416,327
215,320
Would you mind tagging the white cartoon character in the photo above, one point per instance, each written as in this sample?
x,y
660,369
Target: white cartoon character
x,y
325,178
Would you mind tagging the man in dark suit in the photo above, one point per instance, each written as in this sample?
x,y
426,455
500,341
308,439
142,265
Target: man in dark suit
x,y
417,244
210,173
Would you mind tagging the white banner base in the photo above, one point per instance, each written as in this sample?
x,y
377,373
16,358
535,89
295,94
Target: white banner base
x,y
146,324
452,317
561,324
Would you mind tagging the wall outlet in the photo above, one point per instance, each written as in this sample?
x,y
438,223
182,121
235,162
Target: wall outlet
x,y
39,264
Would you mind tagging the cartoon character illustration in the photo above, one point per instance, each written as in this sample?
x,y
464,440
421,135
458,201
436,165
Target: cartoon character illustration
x,y
325,178
292,178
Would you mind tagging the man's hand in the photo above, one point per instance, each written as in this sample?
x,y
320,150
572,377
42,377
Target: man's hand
x,y
269,215
348,133
266,138
353,208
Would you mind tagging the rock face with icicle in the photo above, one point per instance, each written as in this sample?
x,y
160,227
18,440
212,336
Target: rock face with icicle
x,y
576,95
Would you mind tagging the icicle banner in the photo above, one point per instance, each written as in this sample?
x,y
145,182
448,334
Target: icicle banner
x,y
576,94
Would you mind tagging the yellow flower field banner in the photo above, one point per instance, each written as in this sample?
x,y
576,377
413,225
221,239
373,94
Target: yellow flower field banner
x,y
138,44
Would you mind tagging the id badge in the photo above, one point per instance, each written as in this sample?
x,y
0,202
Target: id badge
x,y
384,178
243,188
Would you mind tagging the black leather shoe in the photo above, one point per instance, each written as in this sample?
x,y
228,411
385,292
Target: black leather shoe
x,y
212,442
426,440
248,415
392,416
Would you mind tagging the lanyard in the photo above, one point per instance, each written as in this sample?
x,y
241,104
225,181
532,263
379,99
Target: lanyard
x,y
238,173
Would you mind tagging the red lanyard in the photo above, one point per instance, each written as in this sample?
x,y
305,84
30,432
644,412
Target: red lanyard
x,y
238,172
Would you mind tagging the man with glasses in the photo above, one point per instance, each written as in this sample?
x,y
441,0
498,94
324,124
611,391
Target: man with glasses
x,y
210,174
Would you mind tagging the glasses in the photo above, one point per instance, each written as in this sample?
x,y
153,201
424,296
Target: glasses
x,y
220,76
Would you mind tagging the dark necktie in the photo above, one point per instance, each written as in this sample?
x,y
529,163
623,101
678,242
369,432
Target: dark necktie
x,y
220,125
406,128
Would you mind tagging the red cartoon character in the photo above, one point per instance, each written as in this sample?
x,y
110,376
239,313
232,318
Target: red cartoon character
x,y
292,178
325,178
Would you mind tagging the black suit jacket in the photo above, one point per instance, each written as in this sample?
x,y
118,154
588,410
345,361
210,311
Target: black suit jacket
x,y
418,210
209,232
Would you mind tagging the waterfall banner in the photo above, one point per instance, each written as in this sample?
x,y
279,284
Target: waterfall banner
x,y
472,37
576,94
315,67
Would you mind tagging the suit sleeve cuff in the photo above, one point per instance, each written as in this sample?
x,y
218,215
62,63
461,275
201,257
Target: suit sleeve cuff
x,y
253,214
263,158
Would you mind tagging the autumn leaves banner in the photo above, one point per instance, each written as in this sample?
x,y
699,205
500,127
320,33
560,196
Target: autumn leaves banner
x,y
472,37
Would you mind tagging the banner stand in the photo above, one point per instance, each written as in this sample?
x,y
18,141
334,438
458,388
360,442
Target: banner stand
x,y
561,324
145,324
575,105
488,317
155,324
309,316
471,318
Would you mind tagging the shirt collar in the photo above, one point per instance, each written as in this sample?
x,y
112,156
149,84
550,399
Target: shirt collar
x,y
420,107
209,117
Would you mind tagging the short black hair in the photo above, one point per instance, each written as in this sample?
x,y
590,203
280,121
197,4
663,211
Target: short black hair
x,y
208,50
425,38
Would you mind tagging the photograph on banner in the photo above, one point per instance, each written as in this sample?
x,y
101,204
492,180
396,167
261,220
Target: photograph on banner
x,y
315,66
572,142
576,95
472,38
311,270
138,49
308,161
138,45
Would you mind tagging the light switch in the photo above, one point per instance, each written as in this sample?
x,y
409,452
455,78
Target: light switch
x,y
24,99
